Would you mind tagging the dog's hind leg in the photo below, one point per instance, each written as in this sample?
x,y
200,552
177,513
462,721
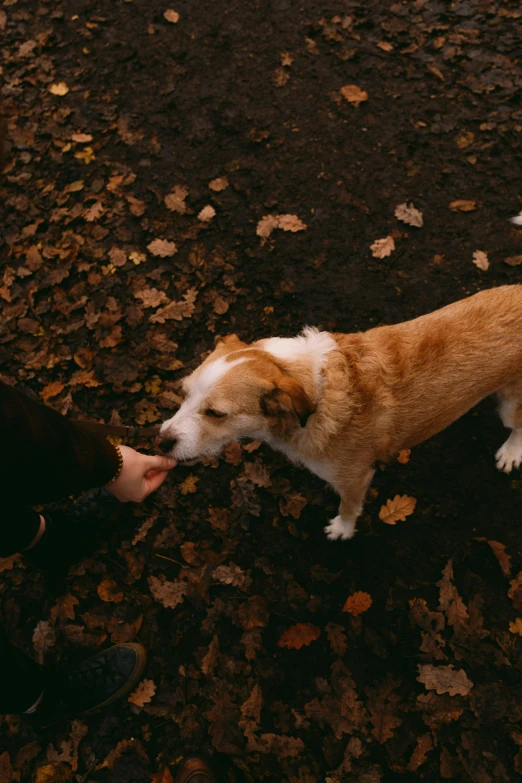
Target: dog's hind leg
x,y
509,455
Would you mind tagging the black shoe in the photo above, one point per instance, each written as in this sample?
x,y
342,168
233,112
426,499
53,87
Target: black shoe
x,y
93,684
75,533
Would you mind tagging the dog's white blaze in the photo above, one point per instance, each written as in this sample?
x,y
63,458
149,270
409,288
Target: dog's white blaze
x,y
185,425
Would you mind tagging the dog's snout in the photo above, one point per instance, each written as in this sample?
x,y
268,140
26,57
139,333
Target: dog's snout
x,y
165,444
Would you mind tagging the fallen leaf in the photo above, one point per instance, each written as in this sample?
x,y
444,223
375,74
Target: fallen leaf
x,y
207,213
408,214
81,138
290,223
109,591
7,773
164,776
218,184
404,456
176,311
251,712
480,259
383,247
211,658
499,550
463,205
121,748
162,248
397,509
418,757
137,258
253,613
292,504
220,305
357,603
175,201
44,637
52,390
450,601
300,635
354,94
286,59
151,297
94,212
86,155
53,773
444,679
189,486
513,260
385,46
60,88
117,256
337,638
286,222
383,703
143,693
171,16
516,626
170,594
230,575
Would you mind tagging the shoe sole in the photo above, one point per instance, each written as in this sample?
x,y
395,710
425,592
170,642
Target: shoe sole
x,y
141,662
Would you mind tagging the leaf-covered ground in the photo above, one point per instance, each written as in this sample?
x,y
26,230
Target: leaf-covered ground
x,y
178,172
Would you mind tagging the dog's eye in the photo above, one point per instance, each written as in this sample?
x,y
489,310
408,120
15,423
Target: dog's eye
x,y
215,414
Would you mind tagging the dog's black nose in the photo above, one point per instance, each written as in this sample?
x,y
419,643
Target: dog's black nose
x,y
165,444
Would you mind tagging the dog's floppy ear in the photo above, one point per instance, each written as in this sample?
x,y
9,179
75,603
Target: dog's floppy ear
x,y
286,405
230,339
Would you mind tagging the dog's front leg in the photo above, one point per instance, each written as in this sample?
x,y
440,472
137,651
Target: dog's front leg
x,y
352,490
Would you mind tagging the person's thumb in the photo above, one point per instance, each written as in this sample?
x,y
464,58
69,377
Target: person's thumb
x,y
159,462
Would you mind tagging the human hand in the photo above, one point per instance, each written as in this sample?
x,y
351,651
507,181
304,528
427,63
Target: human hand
x,y
140,475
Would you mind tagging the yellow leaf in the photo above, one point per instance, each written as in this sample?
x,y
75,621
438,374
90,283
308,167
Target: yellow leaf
x,y
399,508
53,773
358,603
60,88
137,258
52,390
516,627
404,456
189,486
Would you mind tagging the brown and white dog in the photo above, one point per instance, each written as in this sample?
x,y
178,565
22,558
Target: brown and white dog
x,y
336,403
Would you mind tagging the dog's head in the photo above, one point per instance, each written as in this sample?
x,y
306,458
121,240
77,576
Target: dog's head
x,y
239,391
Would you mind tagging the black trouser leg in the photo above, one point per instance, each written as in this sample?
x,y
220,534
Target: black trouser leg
x,y
18,528
21,679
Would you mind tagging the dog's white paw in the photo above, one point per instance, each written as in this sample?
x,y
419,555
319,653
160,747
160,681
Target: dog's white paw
x,y
509,455
339,528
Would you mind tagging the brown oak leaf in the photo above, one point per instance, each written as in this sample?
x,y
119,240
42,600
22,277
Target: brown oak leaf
x,y
176,311
300,635
162,248
462,205
171,16
337,638
444,679
450,601
408,214
170,594
143,693
400,507
480,259
382,705
218,184
354,94
499,550
175,201
189,486
151,297
382,248
251,712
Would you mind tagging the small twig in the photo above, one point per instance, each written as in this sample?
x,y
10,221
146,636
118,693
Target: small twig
x,y
164,557
285,615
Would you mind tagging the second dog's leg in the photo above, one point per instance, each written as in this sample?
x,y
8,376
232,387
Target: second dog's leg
x,y
509,455
352,491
